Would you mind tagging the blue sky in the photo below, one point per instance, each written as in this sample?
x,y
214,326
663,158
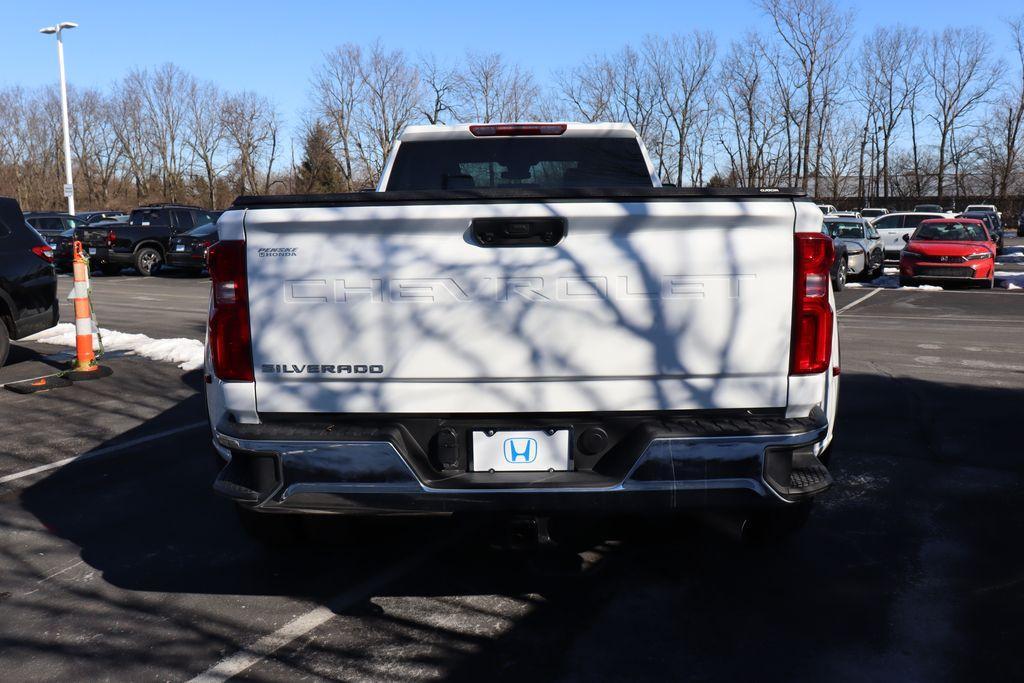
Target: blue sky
x,y
272,47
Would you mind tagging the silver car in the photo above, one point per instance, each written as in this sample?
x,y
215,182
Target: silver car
x,y
864,247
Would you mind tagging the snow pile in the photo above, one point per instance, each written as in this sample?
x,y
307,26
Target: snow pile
x,y
187,353
1009,280
891,280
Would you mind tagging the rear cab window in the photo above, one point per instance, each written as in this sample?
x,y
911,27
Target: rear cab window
x,y
519,162
140,217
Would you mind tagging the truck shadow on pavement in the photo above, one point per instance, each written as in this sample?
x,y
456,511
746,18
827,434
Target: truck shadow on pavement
x,y
909,568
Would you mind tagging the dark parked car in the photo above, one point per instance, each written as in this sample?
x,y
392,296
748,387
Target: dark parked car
x,y
98,216
992,223
49,224
143,241
189,250
28,285
841,263
62,249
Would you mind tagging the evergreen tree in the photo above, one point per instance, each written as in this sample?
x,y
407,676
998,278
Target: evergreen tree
x,y
318,172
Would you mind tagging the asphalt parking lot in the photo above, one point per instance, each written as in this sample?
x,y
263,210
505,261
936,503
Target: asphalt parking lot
x,y
124,565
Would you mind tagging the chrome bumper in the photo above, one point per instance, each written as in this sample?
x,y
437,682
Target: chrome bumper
x,y
360,477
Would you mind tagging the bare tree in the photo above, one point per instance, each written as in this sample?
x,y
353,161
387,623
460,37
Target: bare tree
x,y
814,32
205,127
750,120
251,125
96,150
888,67
681,67
589,88
132,130
1006,127
160,98
960,77
489,89
338,90
439,84
392,99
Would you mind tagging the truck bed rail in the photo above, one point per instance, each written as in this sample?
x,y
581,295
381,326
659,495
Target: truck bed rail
x,y
517,195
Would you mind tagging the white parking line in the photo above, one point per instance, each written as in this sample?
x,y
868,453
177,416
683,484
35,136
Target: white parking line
x,y
305,623
100,452
857,301
936,319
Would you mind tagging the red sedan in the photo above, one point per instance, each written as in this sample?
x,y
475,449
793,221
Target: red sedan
x,y
948,250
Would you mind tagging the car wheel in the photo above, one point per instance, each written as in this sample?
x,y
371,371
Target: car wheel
x,y
879,268
840,280
5,343
147,261
109,269
906,281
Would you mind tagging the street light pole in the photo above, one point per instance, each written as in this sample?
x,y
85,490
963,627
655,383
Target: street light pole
x,y
69,188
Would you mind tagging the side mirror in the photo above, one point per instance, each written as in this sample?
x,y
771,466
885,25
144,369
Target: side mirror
x,y
906,238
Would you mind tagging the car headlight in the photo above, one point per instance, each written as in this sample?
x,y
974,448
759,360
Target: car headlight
x,y
911,253
979,256
855,251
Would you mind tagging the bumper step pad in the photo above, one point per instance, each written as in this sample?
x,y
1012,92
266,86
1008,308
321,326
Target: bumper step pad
x,y
802,475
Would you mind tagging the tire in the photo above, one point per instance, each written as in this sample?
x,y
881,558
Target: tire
x,y
879,268
906,281
5,343
110,269
270,529
147,261
839,281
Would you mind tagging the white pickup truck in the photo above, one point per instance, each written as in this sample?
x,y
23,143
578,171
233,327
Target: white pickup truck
x,y
522,320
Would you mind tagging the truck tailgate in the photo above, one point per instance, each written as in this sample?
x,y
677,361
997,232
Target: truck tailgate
x,y
658,305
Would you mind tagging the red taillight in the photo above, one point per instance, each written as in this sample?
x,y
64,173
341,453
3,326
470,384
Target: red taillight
x,y
813,254
111,236
44,252
229,337
488,130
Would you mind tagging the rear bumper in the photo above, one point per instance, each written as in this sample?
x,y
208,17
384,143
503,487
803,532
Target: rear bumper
x,y
691,467
186,260
106,255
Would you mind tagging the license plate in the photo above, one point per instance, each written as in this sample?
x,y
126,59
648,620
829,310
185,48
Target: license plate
x,y
521,451
180,247
92,251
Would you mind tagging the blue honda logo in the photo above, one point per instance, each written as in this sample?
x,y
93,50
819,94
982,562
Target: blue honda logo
x,y
520,450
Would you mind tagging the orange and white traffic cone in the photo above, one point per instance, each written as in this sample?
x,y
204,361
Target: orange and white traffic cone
x,y
85,366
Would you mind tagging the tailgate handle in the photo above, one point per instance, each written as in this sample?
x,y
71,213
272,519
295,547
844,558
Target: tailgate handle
x,y
518,232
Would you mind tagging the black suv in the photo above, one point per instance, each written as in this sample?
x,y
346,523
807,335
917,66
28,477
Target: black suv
x,y
143,241
28,285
